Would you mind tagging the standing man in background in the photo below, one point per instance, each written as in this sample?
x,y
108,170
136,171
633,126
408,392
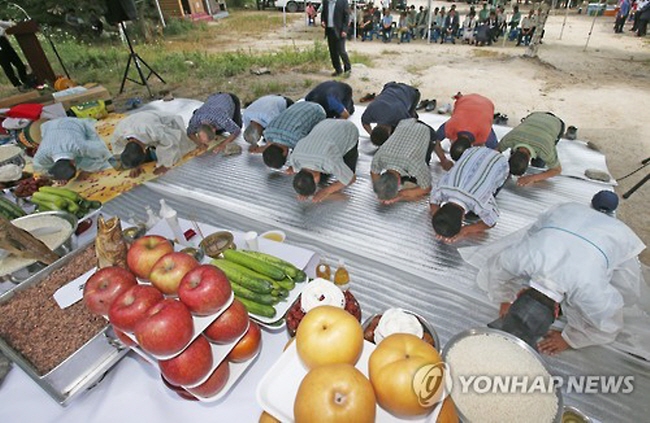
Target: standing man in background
x,y
9,59
335,18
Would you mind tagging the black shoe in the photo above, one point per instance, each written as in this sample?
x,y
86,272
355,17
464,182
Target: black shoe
x,y
367,97
422,104
431,105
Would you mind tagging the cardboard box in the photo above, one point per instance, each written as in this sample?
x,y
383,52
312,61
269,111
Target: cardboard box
x,y
96,93
28,97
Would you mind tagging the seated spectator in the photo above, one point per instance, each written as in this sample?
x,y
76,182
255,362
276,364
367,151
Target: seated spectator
x,y
311,12
527,28
387,26
403,28
450,28
469,25
367,24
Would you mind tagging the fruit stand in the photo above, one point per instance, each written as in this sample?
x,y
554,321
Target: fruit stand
x,y
392,259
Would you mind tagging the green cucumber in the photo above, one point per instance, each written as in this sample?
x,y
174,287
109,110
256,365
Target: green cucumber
x,y
60,202
47,205
10,210
239,274
242,292
287,284
292,271
258,309
255,264
95,204
61,192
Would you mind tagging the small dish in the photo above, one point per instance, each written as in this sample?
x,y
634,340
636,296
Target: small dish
x,y
214,244
274,235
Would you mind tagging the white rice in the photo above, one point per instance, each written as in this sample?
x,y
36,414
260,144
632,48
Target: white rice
x,y
54,240
9,151
494,355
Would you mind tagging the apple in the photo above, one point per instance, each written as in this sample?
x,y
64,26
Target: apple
x,y
190,366
204,290
132,305
334,393
248,346
392,368
329,335
180,391
166,328
215,383
145,252
121,336
167,273
104,286
230,325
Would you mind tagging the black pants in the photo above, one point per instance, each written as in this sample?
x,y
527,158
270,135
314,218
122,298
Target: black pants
x,y
643,27
412,111
236,117
338,53
9,57
619,24
288,101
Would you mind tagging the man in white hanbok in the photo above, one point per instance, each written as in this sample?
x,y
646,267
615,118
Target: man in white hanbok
x,y
151,136
577,258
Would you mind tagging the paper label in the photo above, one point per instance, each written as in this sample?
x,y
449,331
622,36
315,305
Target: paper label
x,y
73,291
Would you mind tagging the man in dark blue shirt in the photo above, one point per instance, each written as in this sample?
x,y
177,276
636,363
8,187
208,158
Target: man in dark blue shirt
x,y
335,97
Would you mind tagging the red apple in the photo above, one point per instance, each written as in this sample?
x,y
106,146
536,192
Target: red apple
x,y
121,336
166,329
190,366
104,286
167,273
180,391
145,252
229,326
215,382
248,346
132,305
204,290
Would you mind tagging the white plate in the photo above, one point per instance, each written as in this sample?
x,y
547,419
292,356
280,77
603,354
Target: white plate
x,y
277,390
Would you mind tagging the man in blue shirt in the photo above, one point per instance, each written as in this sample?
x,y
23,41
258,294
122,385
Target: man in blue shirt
x,y
335,97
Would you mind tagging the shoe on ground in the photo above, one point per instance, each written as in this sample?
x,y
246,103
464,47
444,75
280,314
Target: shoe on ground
x,y
422,104
431,105
368,97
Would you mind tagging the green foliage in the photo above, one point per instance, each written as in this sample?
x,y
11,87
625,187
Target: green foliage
x,y
176,26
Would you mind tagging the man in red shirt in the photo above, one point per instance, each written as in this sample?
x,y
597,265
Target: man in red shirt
x,y
470,125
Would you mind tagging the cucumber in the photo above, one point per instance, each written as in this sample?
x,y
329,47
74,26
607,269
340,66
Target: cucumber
x,y
258,309
242,292
60,202
46,206
292,271
61,192
10,210
255,264
238,274
95,204
287,284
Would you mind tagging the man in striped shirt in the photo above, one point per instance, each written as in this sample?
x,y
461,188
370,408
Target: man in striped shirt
x,y
534,139
220,113
404,160
470,186
259,114
331,148
289,127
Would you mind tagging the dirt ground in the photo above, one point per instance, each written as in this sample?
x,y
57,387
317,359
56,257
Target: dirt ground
x,y
604,90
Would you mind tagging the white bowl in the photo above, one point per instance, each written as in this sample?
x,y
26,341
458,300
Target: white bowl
x,y
274,235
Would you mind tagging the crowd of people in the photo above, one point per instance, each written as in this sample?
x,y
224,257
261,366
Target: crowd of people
x,y
635,11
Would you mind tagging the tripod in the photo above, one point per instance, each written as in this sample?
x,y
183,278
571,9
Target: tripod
x,y
136,59
639,184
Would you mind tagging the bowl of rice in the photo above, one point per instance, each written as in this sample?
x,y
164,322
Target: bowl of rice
x,y
58,236
498,378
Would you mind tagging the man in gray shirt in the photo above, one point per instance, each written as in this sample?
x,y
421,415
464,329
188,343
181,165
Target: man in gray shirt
x,y
331,148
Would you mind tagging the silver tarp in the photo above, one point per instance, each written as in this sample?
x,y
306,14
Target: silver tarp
x,y
390,251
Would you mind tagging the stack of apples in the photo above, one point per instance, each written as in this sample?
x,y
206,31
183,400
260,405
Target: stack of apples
x,y
160,317
329,342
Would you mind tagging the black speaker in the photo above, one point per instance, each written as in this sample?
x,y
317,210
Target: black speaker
x,y
120,10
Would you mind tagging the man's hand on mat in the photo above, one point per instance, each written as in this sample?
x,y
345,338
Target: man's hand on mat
x,y
83,175
553,343
134,173
160,170
392,200
526,180
302,198
289,171
320,196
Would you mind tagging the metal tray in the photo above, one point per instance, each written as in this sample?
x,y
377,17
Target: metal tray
x,y
425,325
517,341
80,371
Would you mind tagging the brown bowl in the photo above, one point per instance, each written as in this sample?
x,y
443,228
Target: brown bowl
x,y
216,243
